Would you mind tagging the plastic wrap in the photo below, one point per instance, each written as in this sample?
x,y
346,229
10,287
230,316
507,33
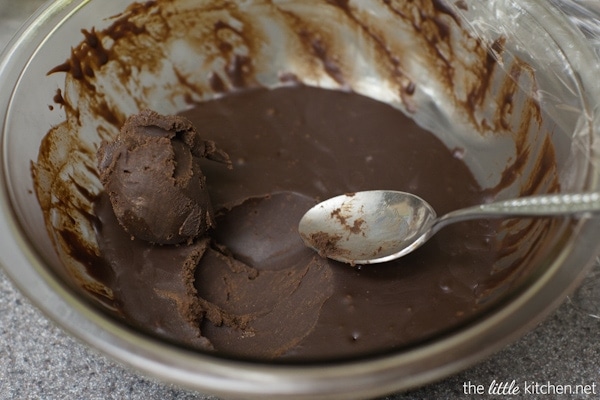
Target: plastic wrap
x,y
585,15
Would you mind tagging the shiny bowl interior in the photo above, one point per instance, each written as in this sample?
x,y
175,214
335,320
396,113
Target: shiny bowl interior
x,y
538,66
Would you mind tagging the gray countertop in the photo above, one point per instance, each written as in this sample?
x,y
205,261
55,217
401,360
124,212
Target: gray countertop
x,y
38,360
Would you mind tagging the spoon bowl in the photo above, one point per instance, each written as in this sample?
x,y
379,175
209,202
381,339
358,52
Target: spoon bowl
x,y
382,225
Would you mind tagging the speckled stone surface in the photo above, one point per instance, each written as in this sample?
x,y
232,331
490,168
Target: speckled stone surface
x,y
39,361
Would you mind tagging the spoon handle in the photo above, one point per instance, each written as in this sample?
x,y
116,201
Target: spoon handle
x,y
532,206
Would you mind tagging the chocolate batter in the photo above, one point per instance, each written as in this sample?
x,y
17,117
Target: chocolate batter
x,y
257,291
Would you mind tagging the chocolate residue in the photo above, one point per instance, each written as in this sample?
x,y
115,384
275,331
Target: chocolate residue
x,y
325,242
355,228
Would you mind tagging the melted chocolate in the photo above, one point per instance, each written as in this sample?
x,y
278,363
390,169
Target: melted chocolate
x,y
290,148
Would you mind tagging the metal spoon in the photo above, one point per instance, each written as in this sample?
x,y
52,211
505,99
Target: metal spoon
x,y
379,225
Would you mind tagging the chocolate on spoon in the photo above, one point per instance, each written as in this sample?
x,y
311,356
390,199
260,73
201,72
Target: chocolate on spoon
x,y
377,226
